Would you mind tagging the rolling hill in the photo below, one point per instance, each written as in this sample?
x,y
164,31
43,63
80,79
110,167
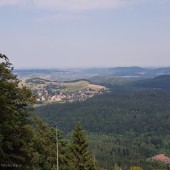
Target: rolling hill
x,y
127,126
160,82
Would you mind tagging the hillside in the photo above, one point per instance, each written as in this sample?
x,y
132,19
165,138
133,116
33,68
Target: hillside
x,y
128,71
71,74
111,80
160,82
127,126
52,91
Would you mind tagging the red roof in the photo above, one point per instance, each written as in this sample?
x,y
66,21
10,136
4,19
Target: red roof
x,y
162,158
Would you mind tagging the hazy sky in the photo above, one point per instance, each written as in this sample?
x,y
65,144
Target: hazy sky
x,y
57,33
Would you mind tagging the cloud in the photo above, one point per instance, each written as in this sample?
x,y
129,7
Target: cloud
x,y
70,5
9,2
75,5
14,2
79,5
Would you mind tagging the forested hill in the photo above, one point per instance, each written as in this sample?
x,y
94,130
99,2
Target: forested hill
x,y
128,125
71,74
128,71
142,111
160,82
26,142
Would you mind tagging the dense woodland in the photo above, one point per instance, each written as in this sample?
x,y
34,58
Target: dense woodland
x,y
127,126
26,142
124,129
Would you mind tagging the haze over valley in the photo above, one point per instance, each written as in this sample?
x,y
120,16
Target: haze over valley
x,y
85,84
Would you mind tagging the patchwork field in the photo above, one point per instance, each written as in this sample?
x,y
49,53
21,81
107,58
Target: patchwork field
x,y
52,91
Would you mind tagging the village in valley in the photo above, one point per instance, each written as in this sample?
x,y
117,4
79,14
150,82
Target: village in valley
x,y
47,91
44,95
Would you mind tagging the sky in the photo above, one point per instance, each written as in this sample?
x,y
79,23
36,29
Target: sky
x,y
85,33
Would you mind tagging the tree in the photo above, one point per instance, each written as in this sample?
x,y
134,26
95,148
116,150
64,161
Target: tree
x,y
44,144
80,156
116,167
135,168
25,140
15,126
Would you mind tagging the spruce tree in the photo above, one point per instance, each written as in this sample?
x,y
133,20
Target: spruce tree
x,y
15,127
26,142
44,145
116,167
80,156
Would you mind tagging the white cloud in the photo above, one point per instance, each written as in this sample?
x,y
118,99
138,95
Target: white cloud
x,y
8,2
70,5
79,5
75,5
66,10
14,2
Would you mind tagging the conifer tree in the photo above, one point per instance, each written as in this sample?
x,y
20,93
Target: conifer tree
x,y
116,167
44,141
15,127
25,140
80,156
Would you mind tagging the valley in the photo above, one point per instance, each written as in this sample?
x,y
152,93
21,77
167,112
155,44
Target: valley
x,y
126,117
47,91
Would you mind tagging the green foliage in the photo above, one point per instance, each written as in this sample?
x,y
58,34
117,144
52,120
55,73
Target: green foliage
x,y
116,167
80,156
44,145
160,82
127,126
135,123
135,168
15,126
25,139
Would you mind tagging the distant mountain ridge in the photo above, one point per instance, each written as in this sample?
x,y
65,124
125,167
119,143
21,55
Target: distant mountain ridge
x,y
98,74
130,71
35,71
